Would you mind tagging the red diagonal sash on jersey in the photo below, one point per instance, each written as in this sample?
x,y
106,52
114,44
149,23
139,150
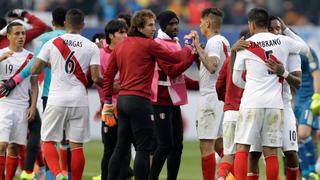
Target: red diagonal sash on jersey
x,y
65,52
261,53
24,64
225,50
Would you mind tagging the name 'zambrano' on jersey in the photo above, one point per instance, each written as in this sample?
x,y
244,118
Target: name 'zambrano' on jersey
x,y
262,89
66,89
216,46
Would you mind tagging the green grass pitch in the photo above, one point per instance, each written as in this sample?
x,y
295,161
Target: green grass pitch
x,y
190,168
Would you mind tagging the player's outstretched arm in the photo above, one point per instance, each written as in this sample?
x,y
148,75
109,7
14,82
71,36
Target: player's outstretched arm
x,y
288,32
210,62
96,75
38,66
34,97
239,45
293,78
237,78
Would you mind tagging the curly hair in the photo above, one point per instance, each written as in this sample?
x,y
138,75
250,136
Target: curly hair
x,y
139,20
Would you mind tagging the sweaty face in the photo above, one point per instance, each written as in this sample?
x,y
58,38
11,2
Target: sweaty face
x,y
275,27
150,28
118,36
172,28
17,36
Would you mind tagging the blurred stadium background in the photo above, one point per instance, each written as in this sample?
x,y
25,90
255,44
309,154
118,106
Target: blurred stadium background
x,y
303,16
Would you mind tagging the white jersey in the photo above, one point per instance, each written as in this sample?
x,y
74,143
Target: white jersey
x,y
19,97
264,90
294,64
65,88
214,47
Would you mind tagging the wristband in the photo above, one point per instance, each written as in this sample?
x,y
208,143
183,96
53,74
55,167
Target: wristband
x,y
285,74
107,101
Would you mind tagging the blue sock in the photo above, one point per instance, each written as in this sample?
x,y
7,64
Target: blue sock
x,y
310,153
49,175
304,164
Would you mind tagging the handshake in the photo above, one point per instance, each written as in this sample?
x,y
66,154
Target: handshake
x,y
16,13
192,40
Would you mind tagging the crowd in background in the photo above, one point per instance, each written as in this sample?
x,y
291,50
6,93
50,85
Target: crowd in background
x,y
294,12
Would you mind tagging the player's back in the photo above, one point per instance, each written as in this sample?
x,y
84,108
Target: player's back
x,y
70,56
19,97
262,89
216,46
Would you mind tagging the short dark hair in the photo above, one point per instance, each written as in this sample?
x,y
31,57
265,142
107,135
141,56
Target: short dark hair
x,y
211,12
271,18
11,25
215,15
259,16
59,15
139,20
114,26
126,17
75,17
3,22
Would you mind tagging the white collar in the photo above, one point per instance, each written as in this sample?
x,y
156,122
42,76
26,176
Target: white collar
x,y
164,36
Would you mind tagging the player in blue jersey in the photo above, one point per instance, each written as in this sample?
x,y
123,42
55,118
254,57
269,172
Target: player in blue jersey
x,y
58,16
307,103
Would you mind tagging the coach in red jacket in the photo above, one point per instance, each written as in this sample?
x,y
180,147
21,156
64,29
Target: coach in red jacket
x,y
135,59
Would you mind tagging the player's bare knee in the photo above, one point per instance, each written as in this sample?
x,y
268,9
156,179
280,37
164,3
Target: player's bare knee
x,y
74,145
254,156
269,151
13,149
206,147
242,147
292,159
3,148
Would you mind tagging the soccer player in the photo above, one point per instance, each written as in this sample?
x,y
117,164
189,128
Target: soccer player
x,y
210,113
115,32
14,111
58,18
306,110
70,56
135,58
261,109
293,81
231,96
169,91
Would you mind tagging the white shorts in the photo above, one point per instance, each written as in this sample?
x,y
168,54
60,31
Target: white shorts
x,y
209,117
13,125
229,127
260,127
289,138
74,120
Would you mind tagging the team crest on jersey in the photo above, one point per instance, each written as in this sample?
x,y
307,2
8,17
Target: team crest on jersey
x,y
162,115
105,129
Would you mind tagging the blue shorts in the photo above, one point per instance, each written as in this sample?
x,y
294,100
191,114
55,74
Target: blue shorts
x,y
304,115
